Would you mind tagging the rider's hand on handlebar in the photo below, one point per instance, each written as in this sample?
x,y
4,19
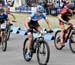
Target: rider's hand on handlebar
x,y
9,24
68,23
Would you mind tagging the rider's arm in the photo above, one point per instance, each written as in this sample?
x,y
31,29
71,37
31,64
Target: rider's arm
x,y
8,20
46,20
60,18
13,16
48,23
26,22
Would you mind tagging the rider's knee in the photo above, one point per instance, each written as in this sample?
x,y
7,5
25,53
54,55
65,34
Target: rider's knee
x,y
30,37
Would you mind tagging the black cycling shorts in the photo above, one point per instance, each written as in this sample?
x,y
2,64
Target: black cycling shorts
x,y
33,24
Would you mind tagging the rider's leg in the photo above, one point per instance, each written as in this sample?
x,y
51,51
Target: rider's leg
x,y
62,33
68,29
29,42
28,46
39,28
3,34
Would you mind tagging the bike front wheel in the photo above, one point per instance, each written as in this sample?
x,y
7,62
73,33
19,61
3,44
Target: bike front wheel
x,y
8,35
72,43
25,50
43,53
57,40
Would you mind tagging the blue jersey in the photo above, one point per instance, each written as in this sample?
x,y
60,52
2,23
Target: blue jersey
x,y
3,17
35,17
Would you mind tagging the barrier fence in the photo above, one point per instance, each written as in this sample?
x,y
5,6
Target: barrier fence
x,y
23,9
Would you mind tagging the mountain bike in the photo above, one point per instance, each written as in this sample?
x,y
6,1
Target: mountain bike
x,y
69,36
39,46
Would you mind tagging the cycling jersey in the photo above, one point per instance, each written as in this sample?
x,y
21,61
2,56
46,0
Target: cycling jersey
x,y
34,20
64,15
3,18
35,17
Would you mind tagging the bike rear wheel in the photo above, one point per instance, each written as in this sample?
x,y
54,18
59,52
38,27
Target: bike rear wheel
x,y
72,43
25,51
57,40
42,51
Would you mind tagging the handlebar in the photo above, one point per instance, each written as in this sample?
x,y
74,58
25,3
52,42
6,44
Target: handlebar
x,y
42,32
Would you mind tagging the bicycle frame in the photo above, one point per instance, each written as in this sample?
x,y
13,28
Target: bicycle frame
x,y
70,28
36,39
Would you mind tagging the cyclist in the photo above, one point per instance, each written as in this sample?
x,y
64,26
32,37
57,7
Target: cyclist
x,y
7,10
64,18
32,22
3,17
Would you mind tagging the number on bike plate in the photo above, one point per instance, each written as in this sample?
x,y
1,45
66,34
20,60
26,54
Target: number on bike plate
x,y
3,26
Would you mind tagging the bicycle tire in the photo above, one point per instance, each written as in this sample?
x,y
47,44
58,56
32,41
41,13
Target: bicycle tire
x,y
56,41
8,34
25,50
48,53
4,44
72,44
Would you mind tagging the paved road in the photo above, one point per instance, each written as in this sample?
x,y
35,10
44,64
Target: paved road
x,y
14,54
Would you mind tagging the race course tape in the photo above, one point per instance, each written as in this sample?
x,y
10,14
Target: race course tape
x,y
18,30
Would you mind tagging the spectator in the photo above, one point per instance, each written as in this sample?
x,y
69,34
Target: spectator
x,y
57,4
46,5
2,3
10,3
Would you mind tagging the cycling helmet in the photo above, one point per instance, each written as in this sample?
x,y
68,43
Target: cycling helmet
x,y
1,10
40,9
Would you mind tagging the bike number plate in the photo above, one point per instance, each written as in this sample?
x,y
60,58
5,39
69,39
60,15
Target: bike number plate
x,y
3,26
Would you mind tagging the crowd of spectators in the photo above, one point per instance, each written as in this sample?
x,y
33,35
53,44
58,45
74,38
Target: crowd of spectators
x,y
57,6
